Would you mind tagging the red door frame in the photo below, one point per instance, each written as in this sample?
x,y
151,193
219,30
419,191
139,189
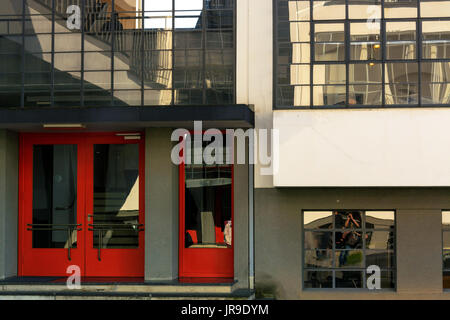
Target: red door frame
x,y
203,262
54,262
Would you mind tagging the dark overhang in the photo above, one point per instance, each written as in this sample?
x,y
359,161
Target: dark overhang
x,y
231,116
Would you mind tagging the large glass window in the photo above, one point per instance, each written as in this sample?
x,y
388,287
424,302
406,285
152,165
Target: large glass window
x,y
361,53
339,245
116,52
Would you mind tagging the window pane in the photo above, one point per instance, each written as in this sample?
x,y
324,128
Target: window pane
x,y
401,79
54,196
208,212
329,51
318,240
401,40
400,9
116,196
382,259
365,41
364,9
446,219
376,239
349,259
348,219
328,10
329,74
446,240
379,219
434,9
436,39
317,220
329,95
318,259
318,279
349,279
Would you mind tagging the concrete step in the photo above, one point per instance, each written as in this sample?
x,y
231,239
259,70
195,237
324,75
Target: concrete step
x,y
239,294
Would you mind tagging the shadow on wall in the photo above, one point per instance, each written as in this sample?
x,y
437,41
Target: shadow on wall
x,y
267,288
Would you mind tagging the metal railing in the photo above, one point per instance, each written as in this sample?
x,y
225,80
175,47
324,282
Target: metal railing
x,y
70,228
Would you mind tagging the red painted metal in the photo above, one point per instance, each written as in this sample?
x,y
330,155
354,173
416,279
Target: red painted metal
x,y
54,262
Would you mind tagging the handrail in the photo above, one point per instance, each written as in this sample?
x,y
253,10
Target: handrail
x,y
107,227
57,227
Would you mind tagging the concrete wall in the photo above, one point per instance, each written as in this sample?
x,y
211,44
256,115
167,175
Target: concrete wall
x,y
279,244
161,207
162,212
387,147
9,179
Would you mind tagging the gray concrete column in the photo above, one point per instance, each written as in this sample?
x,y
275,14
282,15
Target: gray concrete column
x,y
9,179
419,251
161,207
241,215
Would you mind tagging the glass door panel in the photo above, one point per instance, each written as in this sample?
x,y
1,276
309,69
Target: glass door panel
x,y
116,196
54,196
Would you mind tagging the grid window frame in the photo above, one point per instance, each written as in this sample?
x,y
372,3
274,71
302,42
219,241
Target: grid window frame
x,y
280,102
218,20
364,230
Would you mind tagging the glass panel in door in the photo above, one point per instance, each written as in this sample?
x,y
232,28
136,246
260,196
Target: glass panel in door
x,y
54,196
116,196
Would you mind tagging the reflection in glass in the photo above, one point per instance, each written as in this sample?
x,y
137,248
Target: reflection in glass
x,y
429,9
328,10
349,279
54,196
436,39
318,240
318,258
116,196
383,259
317,220
379,219
401,40
400,9
365,41
347,245
401,83
380,239
446,220
208,203
318,279
349,258
435,82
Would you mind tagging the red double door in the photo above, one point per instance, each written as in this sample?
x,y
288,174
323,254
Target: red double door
x,y
82,204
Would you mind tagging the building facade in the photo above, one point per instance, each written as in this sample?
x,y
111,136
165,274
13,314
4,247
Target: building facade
x,y
91,92
355,94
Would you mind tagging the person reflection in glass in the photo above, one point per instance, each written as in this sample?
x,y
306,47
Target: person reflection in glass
x,y
348,239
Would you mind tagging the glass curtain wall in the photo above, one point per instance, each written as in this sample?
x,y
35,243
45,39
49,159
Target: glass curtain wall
x,y
362,53
116,52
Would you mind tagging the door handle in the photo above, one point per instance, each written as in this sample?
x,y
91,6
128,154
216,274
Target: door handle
x,y
89,217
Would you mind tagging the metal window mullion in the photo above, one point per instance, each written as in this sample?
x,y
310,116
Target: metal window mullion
x,y
22,71
363,234
347,52
203,71
311,68
52,74
142,59
419,55
83,19
383,56
113,41
173,53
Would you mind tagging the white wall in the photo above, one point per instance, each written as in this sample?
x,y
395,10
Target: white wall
x,y
255,65
384,147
